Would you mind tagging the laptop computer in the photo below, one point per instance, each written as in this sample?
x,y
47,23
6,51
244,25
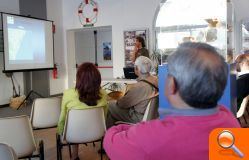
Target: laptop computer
x,y
129,73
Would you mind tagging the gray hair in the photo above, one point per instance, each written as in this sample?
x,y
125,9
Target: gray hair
x,y
200,74
144,64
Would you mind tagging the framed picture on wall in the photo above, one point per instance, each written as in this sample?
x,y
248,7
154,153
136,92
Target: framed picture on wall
x,y
129,42
107,51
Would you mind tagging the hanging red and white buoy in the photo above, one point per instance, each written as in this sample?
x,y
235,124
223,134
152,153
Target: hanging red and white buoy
x,y
88,12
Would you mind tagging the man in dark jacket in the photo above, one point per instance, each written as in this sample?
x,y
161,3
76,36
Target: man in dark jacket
x,y
242,66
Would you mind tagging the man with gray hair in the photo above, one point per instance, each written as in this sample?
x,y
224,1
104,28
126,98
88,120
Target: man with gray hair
x,y
196,79
131,107
199,74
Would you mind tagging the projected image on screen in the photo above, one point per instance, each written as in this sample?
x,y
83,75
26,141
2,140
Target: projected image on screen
x,y
22,36
15,45
29,43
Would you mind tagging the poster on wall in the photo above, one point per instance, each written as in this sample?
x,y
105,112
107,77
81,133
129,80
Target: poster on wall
x,y
107,51
129,42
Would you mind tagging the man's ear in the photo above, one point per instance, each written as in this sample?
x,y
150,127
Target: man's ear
x,y
238,67
170,87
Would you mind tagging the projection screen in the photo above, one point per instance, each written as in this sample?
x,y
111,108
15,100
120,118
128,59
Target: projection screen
x,y
28,43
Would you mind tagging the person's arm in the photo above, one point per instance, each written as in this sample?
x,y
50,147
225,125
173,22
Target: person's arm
x,y
61,122
120,143
132,97
132,56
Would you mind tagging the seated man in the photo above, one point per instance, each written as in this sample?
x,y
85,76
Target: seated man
x,y
242,67
131,107
196,81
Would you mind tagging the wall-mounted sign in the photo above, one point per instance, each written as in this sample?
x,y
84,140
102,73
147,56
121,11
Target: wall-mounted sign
x,y
88,12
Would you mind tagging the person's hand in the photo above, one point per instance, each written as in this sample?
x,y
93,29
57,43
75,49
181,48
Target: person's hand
x,y
133,54
135,49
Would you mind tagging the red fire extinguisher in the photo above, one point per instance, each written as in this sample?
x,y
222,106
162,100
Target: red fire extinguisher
x,y
55,72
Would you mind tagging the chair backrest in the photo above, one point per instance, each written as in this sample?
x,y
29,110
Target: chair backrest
x,y
17,132
243,106
45,112
151,111
84,125
6,152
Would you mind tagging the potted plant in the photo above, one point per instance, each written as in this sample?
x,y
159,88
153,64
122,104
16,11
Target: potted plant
x,y
156,60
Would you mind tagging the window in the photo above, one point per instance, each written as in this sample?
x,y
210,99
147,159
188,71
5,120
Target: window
x,y
192,20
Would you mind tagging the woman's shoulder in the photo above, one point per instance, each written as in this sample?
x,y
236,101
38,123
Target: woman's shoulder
x,y
70,91
102,92
103,98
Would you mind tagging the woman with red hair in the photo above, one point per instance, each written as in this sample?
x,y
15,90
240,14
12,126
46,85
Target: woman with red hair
x,y
87,93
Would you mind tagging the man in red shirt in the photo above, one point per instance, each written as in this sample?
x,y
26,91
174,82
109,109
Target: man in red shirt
x,y
196,81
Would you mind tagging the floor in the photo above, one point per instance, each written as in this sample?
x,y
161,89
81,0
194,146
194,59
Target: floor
x,y
85,152
9,112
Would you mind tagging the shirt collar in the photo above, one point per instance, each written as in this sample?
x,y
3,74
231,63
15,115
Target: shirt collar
x,y
189,112
243,72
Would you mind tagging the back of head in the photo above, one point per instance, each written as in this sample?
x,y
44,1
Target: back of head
x,y
143,64
141,40
200,74
242,59
88,80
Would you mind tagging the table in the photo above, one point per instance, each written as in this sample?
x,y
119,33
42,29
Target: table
x,y
114,80
113,84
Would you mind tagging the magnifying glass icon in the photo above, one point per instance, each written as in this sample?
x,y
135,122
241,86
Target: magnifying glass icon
x,y
226,140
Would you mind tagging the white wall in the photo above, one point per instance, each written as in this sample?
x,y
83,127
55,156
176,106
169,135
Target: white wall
x,y
54,12
5,83
121,15
85,48
9,6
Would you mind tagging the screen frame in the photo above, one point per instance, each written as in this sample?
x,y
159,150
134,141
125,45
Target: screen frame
x,y
33,69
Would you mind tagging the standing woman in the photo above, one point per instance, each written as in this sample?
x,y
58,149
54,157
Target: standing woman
x,y
86,94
